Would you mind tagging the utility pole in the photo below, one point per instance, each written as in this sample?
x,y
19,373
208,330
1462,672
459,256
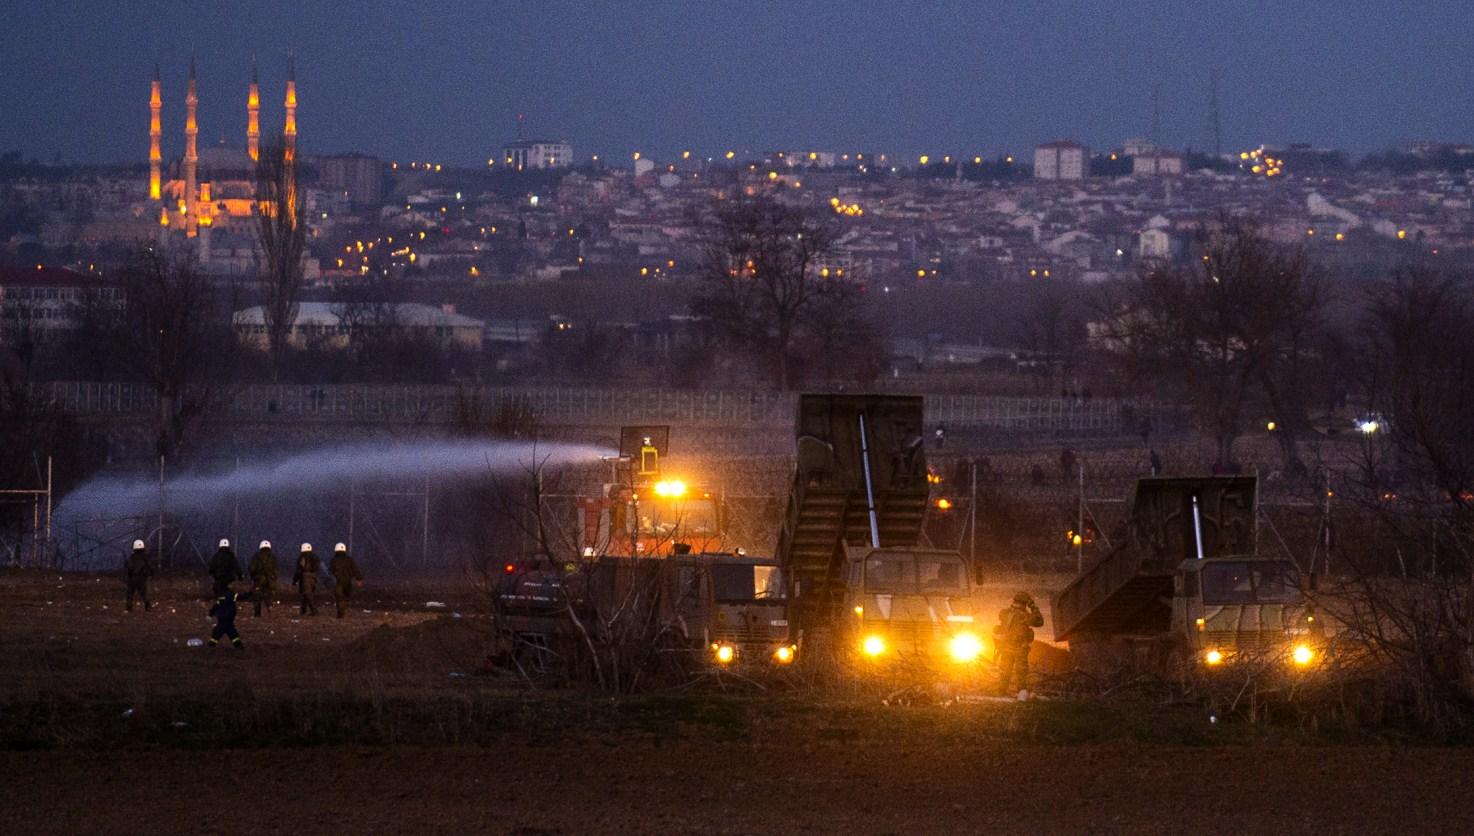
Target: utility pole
x,y
1215,126
159,537
1157,116
1080,523
972,523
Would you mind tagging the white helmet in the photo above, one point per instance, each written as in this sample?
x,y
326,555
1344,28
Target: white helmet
x,y
224,543
265,544
138,544
340,548
306,547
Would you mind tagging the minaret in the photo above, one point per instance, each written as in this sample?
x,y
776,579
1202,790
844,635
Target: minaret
x,y
191,156
155,133
289,132
253,117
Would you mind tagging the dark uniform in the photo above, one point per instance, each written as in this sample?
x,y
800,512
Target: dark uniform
x,y
224,614
308,565
224,569
138,569
345,575
1014,634
263,577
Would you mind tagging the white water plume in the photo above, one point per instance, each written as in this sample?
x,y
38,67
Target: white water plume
x,y
325,469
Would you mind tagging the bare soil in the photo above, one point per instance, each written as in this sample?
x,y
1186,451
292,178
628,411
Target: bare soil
x,y
111,723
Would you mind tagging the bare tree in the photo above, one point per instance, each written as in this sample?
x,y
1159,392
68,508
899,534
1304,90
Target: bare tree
x,y
168,332
1234,333
764,269
1405,545
282,234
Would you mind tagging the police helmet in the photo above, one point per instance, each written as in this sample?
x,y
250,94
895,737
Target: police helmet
x,y
265,544
137,544
224,543
340,548
306,547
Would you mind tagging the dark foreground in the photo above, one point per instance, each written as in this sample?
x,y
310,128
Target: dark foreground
x,y
387,723
794,786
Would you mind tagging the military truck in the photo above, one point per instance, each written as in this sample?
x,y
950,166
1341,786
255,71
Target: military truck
x,y
862,579
711,609
1186,587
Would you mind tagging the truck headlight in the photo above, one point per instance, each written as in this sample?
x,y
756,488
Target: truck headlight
x,y
725,653
965,647
784,654
873,646
1302,655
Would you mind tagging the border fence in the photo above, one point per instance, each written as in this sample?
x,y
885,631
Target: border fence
x,y
586,405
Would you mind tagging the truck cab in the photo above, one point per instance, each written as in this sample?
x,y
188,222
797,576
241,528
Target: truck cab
x,y
910,604
1235,607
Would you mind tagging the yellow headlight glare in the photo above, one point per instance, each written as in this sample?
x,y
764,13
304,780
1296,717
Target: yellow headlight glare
x,y
873,646
965,647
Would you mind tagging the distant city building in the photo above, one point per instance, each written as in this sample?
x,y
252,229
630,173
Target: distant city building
x,y
1156,163
1061,160
537,153
792,159
1138,147
358,176
37,303
329,325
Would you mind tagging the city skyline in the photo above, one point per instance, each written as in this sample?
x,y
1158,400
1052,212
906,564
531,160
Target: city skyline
x,y
662,78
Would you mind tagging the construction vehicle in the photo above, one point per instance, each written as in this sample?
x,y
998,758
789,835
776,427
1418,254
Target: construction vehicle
x,y
861,577
1186,587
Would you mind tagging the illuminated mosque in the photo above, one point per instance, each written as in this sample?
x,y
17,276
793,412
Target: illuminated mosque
x,y
207,199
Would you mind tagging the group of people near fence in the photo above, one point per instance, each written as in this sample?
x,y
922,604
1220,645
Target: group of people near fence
x,y
225,572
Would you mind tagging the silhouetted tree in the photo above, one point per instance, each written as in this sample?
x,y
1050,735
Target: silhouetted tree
x,y
1234,334
282,234
766,285
168,332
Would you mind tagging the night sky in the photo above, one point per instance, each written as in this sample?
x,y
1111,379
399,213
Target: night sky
x,y
444,81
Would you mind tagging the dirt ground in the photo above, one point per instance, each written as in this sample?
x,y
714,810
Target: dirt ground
x,y
771,765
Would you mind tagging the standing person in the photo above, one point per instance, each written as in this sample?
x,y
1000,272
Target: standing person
x,y
138,569
263,576
224,615
1014,633
224,568
308,565
345,576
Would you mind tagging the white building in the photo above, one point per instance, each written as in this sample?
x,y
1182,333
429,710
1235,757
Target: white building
x,y
1061,160
38,303
330,325
1157,164
537,153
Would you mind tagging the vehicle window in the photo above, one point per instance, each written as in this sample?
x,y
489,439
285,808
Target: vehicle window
x,y
1276,583
690,518
733,584
887,573
936,575
767,582
1266,582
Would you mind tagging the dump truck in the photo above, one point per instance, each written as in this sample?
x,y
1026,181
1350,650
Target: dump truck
x,y
861,577
1185,586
